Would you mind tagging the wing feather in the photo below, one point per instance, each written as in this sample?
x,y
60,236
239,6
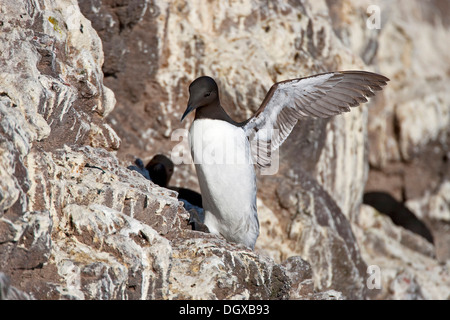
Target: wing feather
x,y
322,96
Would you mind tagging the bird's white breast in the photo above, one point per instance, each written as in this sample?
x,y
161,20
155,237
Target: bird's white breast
x,y
221,153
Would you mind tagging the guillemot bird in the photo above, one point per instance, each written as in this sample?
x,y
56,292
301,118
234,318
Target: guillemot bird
x,y
160,170
224,150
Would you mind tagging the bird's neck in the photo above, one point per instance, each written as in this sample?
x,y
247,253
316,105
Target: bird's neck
x,y
213,111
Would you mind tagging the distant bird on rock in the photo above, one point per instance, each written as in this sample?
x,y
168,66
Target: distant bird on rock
x,y
224,150
159,170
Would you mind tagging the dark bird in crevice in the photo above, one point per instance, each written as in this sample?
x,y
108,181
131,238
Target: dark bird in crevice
x,y
400,215
160,170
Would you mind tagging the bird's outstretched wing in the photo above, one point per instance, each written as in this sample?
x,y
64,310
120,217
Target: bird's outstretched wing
x,y
322,96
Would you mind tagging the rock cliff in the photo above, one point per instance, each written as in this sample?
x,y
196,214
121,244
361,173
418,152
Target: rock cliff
x,y
87,86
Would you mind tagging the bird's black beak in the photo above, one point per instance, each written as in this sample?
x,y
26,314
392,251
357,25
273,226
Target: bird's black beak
x,y
188,110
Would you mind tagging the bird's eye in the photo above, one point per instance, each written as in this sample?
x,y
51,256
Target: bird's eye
x,y
207,94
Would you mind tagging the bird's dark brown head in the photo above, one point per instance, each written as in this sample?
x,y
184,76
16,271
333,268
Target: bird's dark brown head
x,y
203,91
160,169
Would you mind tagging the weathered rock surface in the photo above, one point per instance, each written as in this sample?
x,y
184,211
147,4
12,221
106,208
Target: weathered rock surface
x,y
76,224
8,292
192,39
408,141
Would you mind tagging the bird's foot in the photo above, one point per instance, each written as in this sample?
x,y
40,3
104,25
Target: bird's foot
x,y
196,222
